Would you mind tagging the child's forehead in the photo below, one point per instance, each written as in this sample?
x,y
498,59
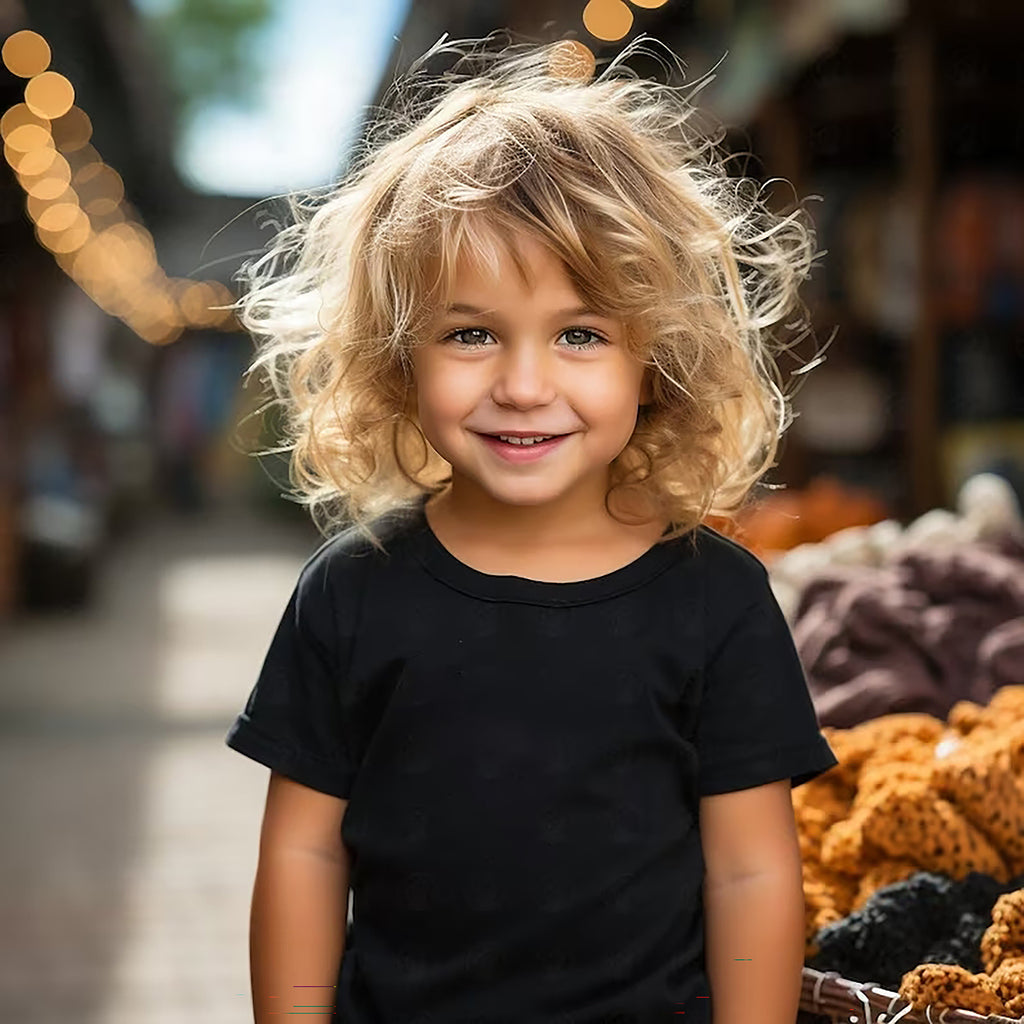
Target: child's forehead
x,y
486,252
489,250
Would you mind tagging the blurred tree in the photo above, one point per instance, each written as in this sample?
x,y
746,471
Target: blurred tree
x,y
207,48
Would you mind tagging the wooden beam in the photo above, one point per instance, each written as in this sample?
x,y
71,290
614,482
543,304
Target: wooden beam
x,y
918,162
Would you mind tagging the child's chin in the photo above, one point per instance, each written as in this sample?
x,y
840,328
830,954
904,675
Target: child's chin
x,y
526,497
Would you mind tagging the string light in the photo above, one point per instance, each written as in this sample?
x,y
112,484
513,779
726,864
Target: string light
x,y
18,115
68,240
49,182
72,131
49,95
58,217
610,20
77,204
37,162
607,19
572,59
26,53
27,137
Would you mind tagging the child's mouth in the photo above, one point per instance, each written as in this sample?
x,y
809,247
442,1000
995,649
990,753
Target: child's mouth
x,y
522,449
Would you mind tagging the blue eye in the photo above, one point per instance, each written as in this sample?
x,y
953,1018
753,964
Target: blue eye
x,y
476,335
576,337
590,339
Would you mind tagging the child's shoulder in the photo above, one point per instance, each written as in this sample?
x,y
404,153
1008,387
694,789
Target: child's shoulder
x,y
351,551
735,585
725,556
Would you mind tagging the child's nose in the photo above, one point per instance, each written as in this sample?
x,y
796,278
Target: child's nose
x,y
524,377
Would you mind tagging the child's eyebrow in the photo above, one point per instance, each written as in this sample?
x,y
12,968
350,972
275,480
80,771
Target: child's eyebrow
x,y
465,307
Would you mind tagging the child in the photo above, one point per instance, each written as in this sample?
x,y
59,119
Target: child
x,y
538,719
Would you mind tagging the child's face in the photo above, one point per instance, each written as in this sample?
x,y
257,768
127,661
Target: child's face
x,y
518,357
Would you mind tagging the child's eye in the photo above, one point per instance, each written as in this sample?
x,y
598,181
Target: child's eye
x,y
468,336
582,337
576,337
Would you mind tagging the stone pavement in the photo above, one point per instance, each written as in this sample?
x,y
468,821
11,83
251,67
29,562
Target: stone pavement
x,y
130,830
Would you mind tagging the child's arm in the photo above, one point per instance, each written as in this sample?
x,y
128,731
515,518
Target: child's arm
x,y
753,905
299,903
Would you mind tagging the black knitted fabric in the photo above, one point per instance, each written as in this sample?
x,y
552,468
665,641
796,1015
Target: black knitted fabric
x,y
926,919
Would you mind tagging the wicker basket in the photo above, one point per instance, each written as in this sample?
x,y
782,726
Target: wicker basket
x,y
829,995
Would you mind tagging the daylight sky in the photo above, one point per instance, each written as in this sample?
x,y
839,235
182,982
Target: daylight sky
x,y
322,60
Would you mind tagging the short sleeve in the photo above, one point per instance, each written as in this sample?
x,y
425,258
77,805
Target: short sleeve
x,y
757,723
292,721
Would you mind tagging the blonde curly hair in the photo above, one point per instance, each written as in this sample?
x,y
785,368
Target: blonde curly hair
x,y
611,174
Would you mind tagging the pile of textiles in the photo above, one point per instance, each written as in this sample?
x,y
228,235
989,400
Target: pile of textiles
x,y
888,619
914,805
937,942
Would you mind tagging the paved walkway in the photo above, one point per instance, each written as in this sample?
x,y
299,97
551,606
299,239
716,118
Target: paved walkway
x,y
130,830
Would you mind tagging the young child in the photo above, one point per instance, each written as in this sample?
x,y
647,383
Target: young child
x,y
538,719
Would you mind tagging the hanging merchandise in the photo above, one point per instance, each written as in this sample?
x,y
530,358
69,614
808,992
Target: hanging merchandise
x,y
964,251
879,253
1004,299
846,409
980,252
899,305
860,249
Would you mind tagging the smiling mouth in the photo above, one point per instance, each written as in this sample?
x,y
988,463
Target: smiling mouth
x,y
532,439
506,444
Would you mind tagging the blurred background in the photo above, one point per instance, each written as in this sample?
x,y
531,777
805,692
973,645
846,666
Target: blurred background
x,y
145,557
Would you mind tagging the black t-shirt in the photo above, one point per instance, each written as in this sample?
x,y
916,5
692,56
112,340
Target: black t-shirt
x,y
523,762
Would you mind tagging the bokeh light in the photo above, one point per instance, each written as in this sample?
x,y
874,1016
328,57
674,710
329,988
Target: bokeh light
x,y
26,54
27,137
78,206
572,59
37,206
49,95
649,5
99,181
37,162
607,19
70,239
51,184
19,159
103,206
196,300
85,155
58,216
72,131
18,115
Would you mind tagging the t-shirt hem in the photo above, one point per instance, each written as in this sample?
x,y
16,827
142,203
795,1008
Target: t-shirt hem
x,y
247,739
799,764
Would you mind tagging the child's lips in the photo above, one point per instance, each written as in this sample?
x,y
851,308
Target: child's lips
x,y
511,452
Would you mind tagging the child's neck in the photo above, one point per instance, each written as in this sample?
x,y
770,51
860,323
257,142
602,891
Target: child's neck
x,y
555,544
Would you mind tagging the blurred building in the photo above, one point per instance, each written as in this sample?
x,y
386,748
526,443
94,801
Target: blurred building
x,y
900,118
118,375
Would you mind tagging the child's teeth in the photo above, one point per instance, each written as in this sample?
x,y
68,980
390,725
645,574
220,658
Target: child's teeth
x,y
523,440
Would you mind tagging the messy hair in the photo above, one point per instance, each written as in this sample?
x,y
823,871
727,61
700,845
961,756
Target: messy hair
x,y
609,172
